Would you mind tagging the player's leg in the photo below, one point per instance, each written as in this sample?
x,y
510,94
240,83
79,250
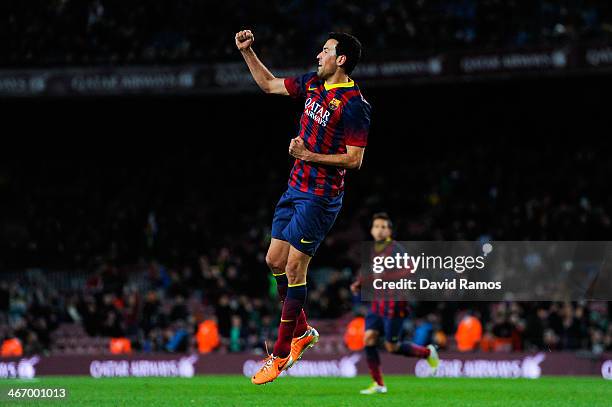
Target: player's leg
x,y
276,258
393,344
296,269
314,217
311,219
373,328
281,358
410,349
407,348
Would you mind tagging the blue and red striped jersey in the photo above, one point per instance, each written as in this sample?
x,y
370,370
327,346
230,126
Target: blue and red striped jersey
x,y
388,307
335,116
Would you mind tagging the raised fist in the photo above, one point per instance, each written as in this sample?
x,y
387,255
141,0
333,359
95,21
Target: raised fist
x,y
244,39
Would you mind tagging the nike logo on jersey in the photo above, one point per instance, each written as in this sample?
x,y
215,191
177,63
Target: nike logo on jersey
x,y
306,241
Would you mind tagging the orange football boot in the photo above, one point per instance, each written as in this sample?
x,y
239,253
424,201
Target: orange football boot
x,y
303,343
273,366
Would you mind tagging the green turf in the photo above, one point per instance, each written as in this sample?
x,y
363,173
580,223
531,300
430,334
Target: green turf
x,y
403,391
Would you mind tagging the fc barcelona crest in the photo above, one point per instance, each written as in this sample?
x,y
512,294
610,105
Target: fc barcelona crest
x,y
333,104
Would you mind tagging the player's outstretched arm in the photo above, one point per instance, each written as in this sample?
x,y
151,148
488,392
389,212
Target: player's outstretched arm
x,y
264,78
352,159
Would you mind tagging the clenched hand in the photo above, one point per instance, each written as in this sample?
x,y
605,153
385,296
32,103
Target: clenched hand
x,y
298,150
244,39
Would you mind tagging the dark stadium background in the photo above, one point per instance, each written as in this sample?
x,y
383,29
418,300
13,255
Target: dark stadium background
x,y
227,155
511,157
78,190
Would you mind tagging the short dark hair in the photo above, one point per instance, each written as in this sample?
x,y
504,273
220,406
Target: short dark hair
x,y
383,216
350,47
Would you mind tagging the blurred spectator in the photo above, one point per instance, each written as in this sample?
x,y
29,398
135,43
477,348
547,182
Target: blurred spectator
x,y
178,338
119,346
502,332
423,332
355,334
11,347
469,333
236,335
207,336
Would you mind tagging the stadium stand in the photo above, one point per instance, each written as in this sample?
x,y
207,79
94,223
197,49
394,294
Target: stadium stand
x,y
101,32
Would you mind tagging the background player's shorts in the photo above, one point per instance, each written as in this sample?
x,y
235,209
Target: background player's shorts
x,y
391,328
303,219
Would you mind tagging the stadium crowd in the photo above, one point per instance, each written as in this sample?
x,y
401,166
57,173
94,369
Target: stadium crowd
x,y
102,32
166,317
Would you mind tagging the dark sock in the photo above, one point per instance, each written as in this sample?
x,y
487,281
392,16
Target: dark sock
x,y
411,349
373,360
301,325
281,287
292,307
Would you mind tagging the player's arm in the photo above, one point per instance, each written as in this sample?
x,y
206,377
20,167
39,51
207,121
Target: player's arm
x,y
264,78
352,159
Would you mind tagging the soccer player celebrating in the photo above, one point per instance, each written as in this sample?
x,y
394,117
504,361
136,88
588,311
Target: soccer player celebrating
x,y
387,316
332,137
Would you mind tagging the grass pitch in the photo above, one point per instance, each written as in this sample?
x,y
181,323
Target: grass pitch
x,y
238,391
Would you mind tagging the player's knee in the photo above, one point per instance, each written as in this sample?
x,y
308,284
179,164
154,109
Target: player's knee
x,y
295,273
276,263
391,347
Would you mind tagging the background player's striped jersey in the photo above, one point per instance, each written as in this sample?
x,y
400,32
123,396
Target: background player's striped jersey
x,y
382,306
335,116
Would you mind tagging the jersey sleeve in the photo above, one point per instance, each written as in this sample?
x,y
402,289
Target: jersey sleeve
x,y
356,117
297,85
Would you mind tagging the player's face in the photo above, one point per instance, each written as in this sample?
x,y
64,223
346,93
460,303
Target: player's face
x,y
327,60
380,230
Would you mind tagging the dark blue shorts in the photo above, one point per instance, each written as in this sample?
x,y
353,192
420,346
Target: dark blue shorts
x,y
391,328
303,219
